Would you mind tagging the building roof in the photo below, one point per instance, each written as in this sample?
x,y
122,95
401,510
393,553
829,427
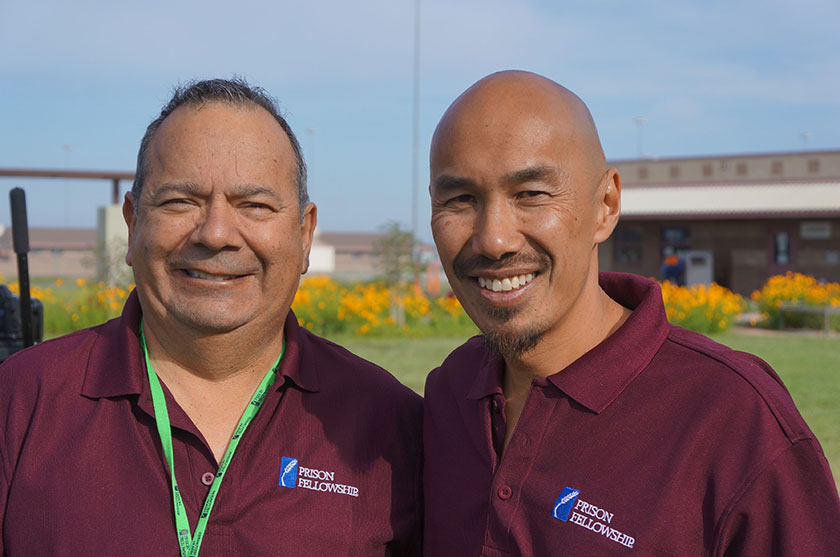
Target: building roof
x,y
734,200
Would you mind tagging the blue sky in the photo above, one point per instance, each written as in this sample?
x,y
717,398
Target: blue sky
x,y
79,82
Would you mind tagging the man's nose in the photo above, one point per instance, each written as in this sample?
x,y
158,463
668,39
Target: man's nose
x,y
497,232
218,227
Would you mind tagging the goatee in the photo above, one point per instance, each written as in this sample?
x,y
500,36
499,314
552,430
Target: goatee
x,y
511,345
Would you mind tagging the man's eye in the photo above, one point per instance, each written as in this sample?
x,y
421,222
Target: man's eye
x,y
464,198
174,202
257,206
530,194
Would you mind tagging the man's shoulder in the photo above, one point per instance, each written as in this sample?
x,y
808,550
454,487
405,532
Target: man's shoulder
x,y
458,371
342,371
740,380
51,359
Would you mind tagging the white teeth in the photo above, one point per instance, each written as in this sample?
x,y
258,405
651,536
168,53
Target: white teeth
x,y
206,276
506,284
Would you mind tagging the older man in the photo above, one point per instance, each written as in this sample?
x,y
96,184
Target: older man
x,y
581,422
205,418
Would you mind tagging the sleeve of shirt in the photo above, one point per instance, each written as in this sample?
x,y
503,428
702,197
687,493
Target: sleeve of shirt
x,y
790,508
4,487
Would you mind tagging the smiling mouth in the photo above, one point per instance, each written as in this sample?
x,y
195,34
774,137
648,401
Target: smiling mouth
x,y
209,276
505,284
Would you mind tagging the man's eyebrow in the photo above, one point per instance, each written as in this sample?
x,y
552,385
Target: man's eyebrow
x,y
189,188
534,174
252,190
445,182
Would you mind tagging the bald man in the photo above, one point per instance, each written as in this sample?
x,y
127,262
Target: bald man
x,y
581,422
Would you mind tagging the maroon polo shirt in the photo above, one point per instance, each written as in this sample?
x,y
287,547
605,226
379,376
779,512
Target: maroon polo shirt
x,y
656,442
330,465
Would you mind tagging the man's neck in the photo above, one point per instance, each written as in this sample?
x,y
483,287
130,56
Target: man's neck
x,y
586,326
556,351
212,377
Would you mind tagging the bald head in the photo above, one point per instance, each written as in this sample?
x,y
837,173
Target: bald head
x,y
512,102
521,198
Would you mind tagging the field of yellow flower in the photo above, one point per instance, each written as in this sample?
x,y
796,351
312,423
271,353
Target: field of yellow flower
x,y
80,304
701,308
328,307
800,289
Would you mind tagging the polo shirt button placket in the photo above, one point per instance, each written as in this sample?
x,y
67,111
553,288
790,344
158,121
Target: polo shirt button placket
x,y
505,492
207,478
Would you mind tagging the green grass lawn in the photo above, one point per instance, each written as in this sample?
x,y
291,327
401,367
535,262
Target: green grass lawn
x,y
808,364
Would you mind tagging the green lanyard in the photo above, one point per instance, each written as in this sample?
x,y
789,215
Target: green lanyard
x,y
190,544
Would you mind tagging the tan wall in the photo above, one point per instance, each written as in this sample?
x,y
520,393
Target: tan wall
x,y
68,264
783,166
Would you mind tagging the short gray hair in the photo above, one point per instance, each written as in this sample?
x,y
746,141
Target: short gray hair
x,y
235,92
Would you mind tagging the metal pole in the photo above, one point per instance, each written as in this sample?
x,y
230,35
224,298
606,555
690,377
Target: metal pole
x,y
415,124
415,144
20,240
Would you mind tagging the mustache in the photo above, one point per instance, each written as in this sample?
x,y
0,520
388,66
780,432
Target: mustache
x,y
466,265
217,263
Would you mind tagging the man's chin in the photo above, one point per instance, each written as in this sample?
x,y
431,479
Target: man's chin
x,y
209,320
511,344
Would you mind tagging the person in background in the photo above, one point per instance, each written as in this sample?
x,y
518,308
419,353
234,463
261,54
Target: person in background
x,y
673,267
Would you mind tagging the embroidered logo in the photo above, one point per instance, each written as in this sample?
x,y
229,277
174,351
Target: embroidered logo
x,y
288,472
292,475
564,503
569,507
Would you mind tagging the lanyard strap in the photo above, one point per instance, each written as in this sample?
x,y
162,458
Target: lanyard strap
x,y
191,543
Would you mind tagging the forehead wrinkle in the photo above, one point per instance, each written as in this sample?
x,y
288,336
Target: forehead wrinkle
x,y
236,191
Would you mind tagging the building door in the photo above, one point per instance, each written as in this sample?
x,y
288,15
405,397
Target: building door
x,y
784,241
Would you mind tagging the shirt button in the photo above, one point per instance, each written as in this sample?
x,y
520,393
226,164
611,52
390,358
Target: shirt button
x,y
505,492
207,478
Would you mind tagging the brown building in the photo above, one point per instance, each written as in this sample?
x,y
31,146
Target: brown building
x,y
53,252
734,220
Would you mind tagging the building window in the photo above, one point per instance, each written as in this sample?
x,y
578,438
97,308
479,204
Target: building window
x,y
675,236
814,166
776,168
781,248
627,244
674,171
643,173
741,169
707,170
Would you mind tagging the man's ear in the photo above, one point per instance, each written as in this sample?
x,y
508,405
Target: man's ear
x,y
307,232
130,216
609,205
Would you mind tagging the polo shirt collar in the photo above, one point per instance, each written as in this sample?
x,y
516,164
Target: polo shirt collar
x,y
296,365
488,380
116,360
116,366
598,377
